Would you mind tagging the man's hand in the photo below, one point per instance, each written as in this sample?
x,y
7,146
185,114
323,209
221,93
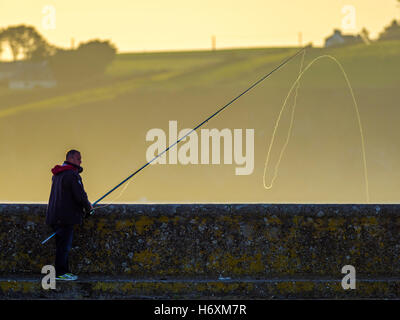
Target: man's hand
x,y
89,211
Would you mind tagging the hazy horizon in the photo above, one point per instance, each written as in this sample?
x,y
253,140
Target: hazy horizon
x,y
188,26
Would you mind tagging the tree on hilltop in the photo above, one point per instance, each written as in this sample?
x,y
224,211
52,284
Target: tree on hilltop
x,y
391,32
89,59
26,41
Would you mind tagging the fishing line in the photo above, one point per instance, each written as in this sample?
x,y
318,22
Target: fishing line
x,y
117,197
296,85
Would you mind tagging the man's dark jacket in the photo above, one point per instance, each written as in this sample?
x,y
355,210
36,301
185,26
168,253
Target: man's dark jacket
x,y
68,198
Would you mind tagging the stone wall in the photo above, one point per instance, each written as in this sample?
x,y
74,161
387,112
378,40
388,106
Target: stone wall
x,y
211,240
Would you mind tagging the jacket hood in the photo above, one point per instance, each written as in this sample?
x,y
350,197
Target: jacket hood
x,y
66,166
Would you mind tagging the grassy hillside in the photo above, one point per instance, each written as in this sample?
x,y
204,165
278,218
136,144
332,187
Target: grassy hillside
x,y
107,119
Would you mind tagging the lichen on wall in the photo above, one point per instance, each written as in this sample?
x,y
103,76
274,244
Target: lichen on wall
x,y
229,240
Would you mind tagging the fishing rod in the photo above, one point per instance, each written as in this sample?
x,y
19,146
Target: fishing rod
x,y
194,129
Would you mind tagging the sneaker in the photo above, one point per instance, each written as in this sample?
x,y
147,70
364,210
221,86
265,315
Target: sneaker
x,y
67,277
72,276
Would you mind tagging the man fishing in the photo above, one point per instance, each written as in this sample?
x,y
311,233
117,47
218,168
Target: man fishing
x,y
68,205
81,195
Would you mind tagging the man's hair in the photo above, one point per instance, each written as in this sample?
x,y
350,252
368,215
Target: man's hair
x,y
71,153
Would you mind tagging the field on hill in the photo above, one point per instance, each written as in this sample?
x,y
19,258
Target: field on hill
x,y
107,119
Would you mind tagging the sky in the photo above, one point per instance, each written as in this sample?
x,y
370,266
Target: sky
x,y
155,25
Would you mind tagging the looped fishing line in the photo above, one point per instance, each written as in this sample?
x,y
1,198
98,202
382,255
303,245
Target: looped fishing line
x,y
296,85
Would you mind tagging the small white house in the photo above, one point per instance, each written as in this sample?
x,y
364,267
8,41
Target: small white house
x,y
338,39
26,75
30,75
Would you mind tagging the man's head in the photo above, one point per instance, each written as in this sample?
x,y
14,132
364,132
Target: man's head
x,y
74,157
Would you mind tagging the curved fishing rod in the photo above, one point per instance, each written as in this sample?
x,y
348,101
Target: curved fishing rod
x,y
194,129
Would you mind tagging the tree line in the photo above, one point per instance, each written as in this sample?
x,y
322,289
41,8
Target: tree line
x,y
88,59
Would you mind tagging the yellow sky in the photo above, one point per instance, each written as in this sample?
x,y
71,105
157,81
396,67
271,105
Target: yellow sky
x,y
186,24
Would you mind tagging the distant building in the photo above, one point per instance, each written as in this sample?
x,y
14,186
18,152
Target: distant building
x,y
339,39
27,75
391,32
